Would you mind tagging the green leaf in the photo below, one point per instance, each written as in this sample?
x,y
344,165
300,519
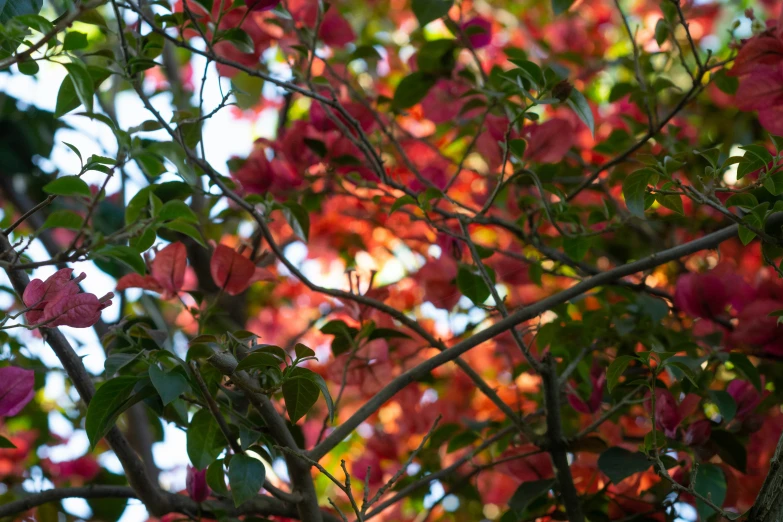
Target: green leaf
x,y
724,82
239,38
303,352
730,449
13,8
67,97
710,483
205,441
725,403
300,394
412,89
28,67
321,383
177,209
517,147
105,406
561,6
634,190
711,155
68,186
436,56
6,444
743,364
619,463
216,478
616,370
464,439
125,255
36,22
472,285
527,492
74,40
186,228
661,32
246,476
169,385
756,157
401,202
576,247
578,103
428,10
671,201
258,360
63,219
298,219
684,368
743,200
82,81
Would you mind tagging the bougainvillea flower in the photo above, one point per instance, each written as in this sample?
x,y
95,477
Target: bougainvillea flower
x,y
762,91
196,484
550,141
598,380
233,272
368,467
16,389
698,433
701,295
668,414
84,469
167,273
437,279
478,31
756,328
745,395
58,302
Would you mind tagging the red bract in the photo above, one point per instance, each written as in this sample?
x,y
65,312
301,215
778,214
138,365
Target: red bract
x,y
259,174
746,396
550,141
57,302
335,30
233,272
755,327
84,469
668,414
478,31
762,90
701,295
196,484
168,273
698,433
16,389
598,380
368,464
437,278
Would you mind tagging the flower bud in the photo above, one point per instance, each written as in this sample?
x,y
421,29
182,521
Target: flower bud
x,y
562,90
196,484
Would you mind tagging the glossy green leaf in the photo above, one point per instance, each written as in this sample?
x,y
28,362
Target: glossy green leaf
x,y
169,384
205,441
300,394
246,476
104,407
619,463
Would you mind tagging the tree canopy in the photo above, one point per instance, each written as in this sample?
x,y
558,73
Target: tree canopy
x,y
479,260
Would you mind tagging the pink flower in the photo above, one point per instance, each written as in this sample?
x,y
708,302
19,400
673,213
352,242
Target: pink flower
x,y
58,302
84,468
745,395
478,31
196,484
368,464
16,389
756,328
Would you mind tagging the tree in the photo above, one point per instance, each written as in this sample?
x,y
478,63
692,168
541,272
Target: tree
x,y
498,260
